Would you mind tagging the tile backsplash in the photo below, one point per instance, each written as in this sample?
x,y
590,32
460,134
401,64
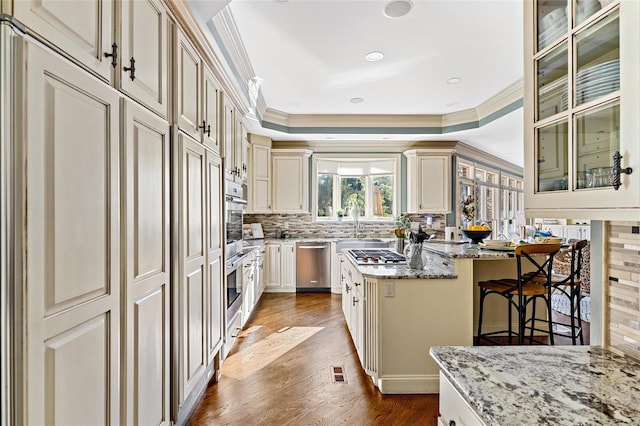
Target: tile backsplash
x,y
622,304
302,226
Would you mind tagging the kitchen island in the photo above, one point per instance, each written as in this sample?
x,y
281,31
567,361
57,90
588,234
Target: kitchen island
x,y
560,385
395,314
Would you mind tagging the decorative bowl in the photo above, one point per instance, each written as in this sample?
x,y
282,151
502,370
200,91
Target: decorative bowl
x,y
548,240
476,236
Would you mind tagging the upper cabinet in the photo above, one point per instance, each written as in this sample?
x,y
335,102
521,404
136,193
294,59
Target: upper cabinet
x,y
197,95
127,48
290,186
260,178
143,65
84,29
188,87
234,139
582,93
428,181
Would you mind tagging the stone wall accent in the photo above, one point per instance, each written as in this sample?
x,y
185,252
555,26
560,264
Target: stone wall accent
x,y
622,291
301,225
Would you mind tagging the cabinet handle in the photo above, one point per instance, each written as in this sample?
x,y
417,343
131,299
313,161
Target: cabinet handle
x,y
357,284
204,125
132,68
616,170
420,206
113,55
347,287
355,301
236,333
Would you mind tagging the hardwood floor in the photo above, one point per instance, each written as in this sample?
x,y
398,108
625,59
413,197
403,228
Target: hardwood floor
x,y
280,373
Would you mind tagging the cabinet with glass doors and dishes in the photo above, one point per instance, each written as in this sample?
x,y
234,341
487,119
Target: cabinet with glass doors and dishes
x,y
582,94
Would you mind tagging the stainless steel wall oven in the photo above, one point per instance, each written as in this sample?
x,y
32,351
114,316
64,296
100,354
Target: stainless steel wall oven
x,y
235,205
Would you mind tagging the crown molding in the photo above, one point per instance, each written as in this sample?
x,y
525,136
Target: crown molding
x,y
504,102
213,56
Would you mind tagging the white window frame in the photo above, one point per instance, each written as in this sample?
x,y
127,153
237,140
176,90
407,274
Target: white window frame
x,y
368,189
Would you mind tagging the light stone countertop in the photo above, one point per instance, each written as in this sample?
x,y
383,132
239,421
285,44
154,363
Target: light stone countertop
x,y
403,272
543,385
464,250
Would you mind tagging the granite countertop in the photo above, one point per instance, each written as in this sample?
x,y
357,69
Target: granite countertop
x,y
464,250
559,385
402,271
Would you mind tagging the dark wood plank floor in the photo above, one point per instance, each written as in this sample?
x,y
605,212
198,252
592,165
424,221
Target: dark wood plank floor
x,y
279,373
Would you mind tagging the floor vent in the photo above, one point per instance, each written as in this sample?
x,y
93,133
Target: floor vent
x,y
338,375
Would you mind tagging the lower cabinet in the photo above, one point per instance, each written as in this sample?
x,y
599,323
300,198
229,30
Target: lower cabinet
x,y
248,287
353,304
281,267
454,410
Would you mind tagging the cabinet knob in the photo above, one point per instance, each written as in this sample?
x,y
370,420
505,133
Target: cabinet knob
x,y
131,69
113,55
452,423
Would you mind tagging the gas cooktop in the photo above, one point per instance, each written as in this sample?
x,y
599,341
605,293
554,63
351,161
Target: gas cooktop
x,y
376,256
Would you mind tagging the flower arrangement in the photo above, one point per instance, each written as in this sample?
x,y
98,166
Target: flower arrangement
x,y
469,208
402,224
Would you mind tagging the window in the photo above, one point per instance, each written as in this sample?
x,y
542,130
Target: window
x,y
363,187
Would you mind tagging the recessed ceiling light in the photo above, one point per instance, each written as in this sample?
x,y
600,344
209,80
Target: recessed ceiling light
x,y
374,56
329,137
357,100
454,80
386,137
398,8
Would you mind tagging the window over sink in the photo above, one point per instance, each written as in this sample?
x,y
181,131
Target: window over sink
x,y
366,188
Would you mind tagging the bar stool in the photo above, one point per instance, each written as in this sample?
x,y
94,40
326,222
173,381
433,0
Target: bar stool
x,y
522,290
565,280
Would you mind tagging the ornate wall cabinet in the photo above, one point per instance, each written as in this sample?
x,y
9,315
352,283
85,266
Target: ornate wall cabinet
x,y
582,95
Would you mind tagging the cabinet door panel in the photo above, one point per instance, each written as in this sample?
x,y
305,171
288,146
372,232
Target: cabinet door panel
x,y
190,280
215,279
210,102
82,29
227,134
73,239
146,213
188,87
77,392
434,173
287,184
144,38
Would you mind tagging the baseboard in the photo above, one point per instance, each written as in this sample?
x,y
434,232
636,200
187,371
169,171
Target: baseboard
x,y
413,384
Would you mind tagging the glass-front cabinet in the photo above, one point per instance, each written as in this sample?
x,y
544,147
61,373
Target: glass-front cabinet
x,y
582,108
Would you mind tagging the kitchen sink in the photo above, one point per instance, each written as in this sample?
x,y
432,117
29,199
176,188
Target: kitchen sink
x,y
356,243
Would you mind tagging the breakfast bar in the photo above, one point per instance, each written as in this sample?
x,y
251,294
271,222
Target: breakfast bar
x,y
395,313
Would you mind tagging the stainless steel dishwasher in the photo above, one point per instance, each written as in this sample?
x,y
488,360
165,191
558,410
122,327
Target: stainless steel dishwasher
x,y
313,267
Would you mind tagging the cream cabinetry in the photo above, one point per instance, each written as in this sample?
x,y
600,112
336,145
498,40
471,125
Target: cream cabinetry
x,y
197,95
290,180
191,268
84,30
428,181
281,267
577,232
72,309
127,48
215,278
582,95
353,304
454,410
234,140
260,179
146,265
143,65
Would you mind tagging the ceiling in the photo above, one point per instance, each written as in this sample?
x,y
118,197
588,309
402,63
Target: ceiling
x,y
309,56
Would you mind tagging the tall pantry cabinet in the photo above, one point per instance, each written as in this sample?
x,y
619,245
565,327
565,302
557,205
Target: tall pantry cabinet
x,y
115,314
